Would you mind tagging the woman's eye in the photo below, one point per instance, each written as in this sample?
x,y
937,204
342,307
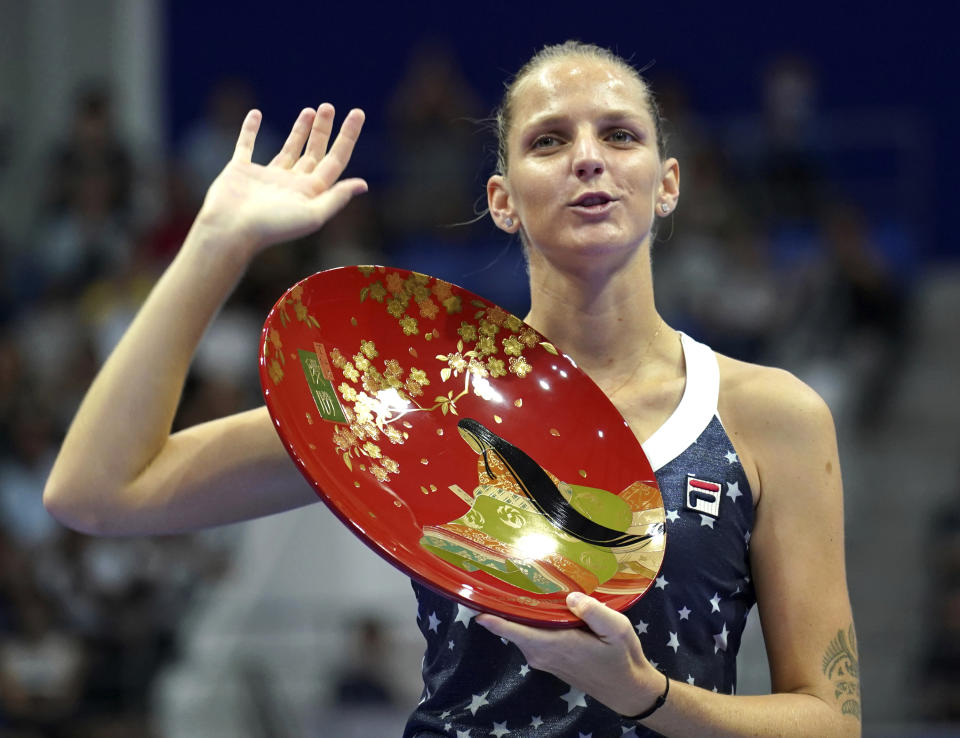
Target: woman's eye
x,y
545,142
622,136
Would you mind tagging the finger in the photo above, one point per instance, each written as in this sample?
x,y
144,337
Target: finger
x,y
248,136
333,164
335,199
295,140
606,623
513,632
319,137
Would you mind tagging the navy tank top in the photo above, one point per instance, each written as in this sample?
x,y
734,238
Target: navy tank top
x,y
690,621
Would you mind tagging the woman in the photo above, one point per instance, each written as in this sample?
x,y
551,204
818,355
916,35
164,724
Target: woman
x,y
754,504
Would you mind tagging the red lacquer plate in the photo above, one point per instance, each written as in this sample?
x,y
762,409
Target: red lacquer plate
x,y
460,444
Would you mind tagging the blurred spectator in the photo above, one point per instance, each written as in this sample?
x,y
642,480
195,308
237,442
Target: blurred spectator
x,y
777,157
434,147
163,238
791,179
92,153
870,309
685,130
353,236
23,472
362,699
939,693
42,669
86,239
362,681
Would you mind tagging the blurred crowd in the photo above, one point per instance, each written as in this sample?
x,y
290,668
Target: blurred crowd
x,y
768,258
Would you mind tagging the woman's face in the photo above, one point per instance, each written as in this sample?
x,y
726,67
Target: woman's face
x,y
584,176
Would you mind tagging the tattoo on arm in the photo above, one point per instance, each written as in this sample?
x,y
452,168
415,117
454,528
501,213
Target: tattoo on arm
x,y
842,668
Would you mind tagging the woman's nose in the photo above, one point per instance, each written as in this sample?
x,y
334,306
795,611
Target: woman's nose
x,y
587,159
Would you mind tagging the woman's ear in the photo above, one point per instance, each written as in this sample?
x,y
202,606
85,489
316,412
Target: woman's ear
x,y
499,205
669,192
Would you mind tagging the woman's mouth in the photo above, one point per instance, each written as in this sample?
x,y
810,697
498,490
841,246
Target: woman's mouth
x,y
594,203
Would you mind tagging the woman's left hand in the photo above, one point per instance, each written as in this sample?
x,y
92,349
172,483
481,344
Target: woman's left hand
x,y
607,661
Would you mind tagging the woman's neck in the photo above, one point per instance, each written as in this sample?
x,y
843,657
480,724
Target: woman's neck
x,y
608,322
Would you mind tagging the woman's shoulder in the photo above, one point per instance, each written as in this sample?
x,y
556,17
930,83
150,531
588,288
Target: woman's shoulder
x,y
765,394
777,422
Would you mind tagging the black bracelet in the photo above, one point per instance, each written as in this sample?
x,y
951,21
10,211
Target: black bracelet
x,y
656,705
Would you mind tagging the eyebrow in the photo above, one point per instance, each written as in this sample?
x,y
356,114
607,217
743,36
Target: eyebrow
x,y
551,119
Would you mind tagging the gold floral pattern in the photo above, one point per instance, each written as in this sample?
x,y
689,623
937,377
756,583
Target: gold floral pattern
x,y
520,367
496,367
409,326
467,331
377,392
428,309
512,347
276,372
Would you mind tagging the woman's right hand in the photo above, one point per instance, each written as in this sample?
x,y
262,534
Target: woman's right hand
x,y
120,471
250,206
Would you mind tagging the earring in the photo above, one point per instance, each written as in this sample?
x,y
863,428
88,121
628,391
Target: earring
x,y
508,222
665,208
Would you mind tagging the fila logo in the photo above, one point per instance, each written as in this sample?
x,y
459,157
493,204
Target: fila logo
x,y
703,496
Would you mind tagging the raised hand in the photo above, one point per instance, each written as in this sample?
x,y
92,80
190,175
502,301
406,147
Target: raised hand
x,y
249,206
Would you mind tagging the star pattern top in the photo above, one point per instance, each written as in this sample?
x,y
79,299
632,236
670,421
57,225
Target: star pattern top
x,y
690,622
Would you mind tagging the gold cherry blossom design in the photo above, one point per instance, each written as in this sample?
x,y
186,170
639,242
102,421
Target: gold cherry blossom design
x,y
378,291
276,371
477,368
486,346
396,307
442,290
420,292
394,283
496,367
512,347
467,331
496,315
419,376
529,338
273,340
409,325
391,367
350,372
390,465
453,304
519,366
428,309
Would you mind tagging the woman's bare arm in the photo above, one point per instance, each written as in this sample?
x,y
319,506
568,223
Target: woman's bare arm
x,y
120,471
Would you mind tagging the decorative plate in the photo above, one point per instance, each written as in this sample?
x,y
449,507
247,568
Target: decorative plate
x,y
460,444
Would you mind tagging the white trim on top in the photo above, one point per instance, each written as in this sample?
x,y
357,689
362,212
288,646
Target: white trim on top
x,y
696,409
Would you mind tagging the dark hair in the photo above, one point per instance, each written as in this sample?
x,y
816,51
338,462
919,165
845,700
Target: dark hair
x,y
503,114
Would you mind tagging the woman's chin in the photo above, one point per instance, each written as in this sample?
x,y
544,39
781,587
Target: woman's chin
x,y
589,256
